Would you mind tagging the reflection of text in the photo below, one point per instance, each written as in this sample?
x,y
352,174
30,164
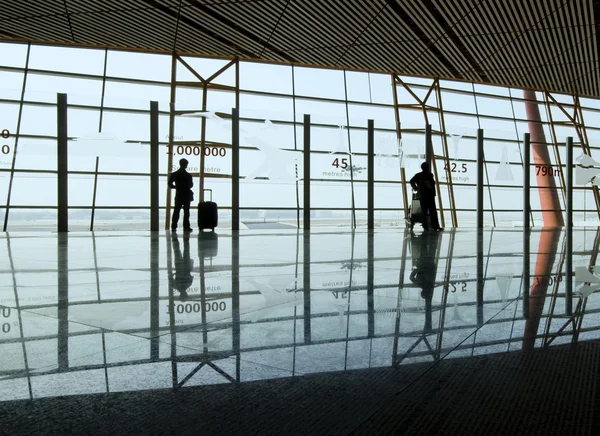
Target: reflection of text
x,y
458,285
459,276
208,289
547,281
6,312
197,307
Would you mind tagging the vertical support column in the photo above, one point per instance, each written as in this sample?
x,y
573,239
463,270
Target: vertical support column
x,y
154,206
235,301
235,169
171,312
306,183
526,271
154,296
480,277
569,236
203,141
62,259
526,182
370,174
428,145
306,286
94,194
480,172
171,136
62,163
370,283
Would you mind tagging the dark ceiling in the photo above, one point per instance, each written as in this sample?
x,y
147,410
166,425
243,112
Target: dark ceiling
x,y
539,44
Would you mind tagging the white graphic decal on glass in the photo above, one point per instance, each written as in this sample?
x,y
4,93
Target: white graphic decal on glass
x,y
277,164
456,137
100,143
389,153
504,172
587,170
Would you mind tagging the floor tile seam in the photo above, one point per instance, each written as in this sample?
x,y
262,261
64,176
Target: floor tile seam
x,y
32,373
53,370
233,355
434,365
101,330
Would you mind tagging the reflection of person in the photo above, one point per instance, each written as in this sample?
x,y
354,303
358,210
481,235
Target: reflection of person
x,y
424,184
182,182
182,279
424,251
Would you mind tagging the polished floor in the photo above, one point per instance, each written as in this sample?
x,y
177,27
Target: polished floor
x,y
99,318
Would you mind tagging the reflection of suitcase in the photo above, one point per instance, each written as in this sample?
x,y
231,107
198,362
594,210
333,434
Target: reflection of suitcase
x,y
414,211
208,244
208,216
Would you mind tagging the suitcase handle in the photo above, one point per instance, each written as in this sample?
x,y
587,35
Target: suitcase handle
x,y
210,193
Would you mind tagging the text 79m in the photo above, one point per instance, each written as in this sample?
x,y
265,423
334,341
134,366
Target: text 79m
x,y
547,170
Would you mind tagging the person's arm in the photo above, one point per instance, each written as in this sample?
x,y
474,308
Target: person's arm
x,y
171,181
413,182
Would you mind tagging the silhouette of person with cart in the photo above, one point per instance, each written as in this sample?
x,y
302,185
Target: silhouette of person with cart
x,y
182,278
182,182
424,185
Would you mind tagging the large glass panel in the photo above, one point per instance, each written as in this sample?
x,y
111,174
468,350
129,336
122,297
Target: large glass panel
x,y
138,66
67,59
13,55
265,77
322,83
44,87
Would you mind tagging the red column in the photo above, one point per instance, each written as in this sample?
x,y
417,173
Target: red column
x,y
551,218
552,215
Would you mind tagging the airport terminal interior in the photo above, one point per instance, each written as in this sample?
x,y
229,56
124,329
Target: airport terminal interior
x,y
319,302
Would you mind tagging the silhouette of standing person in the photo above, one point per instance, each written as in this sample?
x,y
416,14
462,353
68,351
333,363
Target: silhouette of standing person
x,y
182,182
182,279
424,184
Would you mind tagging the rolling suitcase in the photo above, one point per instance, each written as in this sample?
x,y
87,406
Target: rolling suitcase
x,y
208,216
415,214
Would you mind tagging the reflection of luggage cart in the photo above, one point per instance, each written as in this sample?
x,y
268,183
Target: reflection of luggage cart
x,y
414,211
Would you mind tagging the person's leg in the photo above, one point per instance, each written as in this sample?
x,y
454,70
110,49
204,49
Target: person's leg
x,y
176,210
424,210
435,224
186,215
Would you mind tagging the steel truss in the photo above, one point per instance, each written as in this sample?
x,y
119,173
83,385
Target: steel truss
x,y
426,106
206,85
575,120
